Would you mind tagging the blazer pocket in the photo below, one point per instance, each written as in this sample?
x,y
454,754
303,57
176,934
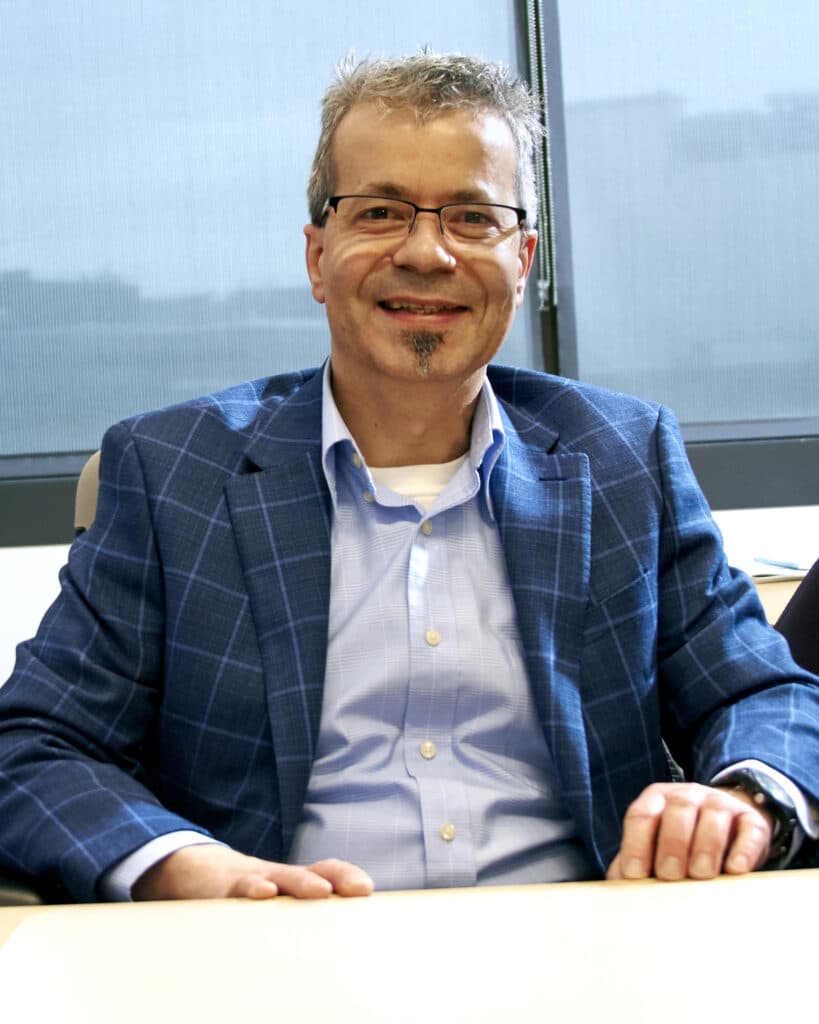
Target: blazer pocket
x,y
629,610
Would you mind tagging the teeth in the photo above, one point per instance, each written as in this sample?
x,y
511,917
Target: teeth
x,y
413,308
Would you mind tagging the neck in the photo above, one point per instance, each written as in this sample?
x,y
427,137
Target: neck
x,y
398,423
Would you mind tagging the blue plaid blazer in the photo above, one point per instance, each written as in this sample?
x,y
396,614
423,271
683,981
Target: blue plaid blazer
x,y
177,681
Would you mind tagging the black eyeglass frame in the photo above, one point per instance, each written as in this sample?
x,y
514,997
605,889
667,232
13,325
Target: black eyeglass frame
x,y
333,201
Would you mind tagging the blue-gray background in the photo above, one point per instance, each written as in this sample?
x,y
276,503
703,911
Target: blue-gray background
x,y
153,159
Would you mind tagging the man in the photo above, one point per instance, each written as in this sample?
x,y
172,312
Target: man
x,y
402,620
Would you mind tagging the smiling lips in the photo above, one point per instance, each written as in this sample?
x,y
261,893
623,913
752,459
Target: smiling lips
x,y
421,308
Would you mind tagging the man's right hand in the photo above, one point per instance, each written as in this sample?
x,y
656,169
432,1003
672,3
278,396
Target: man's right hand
x,y
210,871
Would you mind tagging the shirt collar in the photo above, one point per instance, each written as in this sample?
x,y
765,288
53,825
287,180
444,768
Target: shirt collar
x,y
486,443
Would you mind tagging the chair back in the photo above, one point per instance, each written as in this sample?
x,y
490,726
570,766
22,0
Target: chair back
x,y
85,498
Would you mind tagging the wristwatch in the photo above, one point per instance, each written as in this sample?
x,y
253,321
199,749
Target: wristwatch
x,y
769,796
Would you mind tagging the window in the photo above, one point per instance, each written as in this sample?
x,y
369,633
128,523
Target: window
x,y
152,197
153,172
690,145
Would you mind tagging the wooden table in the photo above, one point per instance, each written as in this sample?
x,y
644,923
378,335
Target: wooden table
x,y
683,953
775,592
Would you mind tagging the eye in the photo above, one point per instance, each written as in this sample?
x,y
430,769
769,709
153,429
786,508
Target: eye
x,y
477,217
383,212
377,213
474,220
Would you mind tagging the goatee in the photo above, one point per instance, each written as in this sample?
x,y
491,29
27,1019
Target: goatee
x,y
424,343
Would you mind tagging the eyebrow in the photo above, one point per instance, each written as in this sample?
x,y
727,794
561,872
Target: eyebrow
x,y
389,190
382,188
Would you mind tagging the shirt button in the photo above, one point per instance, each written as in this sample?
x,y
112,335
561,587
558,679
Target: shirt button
x,y
426,527
432,637
356,460
428,750
447,832
368,496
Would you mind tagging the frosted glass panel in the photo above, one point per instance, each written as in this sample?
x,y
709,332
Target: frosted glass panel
x,y
693,153
152,194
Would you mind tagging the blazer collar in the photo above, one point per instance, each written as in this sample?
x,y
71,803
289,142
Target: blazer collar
x,y
288,424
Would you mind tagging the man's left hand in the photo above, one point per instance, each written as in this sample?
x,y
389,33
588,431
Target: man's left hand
x,y
679,830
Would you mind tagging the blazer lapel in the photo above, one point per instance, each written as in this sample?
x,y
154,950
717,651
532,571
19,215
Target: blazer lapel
x,y
281,516
542,501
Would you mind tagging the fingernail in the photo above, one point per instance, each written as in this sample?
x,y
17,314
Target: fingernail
x,y
633,868
263,891
739,863
671,868
703,866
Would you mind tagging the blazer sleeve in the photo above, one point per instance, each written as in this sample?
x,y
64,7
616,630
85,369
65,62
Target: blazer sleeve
x,y
730,688
78,711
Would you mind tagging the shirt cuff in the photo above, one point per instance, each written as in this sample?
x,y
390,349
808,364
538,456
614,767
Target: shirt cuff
x,y
116,884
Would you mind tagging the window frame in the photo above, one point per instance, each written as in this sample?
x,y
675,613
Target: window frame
x,y
37,498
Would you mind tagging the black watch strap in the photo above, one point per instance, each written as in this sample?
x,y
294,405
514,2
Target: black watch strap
x,y
769,796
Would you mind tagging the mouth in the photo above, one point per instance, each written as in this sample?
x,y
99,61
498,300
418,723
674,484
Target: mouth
x,y
416,308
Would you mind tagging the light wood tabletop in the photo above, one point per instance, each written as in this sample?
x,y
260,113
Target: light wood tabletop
x,y
775,592
647,951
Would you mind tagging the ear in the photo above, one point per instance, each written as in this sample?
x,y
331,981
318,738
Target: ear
x,y
526,260
312,256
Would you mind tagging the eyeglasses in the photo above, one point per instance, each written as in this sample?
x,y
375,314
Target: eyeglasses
x,y
381,217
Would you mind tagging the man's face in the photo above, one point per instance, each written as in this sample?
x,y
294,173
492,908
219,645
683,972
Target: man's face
x,y
419,306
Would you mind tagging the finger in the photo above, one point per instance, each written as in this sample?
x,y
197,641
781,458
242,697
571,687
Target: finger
x,y
674,837
751,844
636,854
301,882
615,871
255,887
346,879
715,826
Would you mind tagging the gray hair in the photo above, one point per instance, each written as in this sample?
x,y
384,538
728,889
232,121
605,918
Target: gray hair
x,y
429,84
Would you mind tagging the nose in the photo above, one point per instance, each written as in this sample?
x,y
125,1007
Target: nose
x,y
424,248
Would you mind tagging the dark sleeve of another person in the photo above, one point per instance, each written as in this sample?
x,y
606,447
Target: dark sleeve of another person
x,y
799,622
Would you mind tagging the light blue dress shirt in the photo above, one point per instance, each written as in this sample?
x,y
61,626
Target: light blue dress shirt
x,y
431,767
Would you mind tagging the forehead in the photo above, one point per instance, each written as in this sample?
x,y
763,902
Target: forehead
x,y
446,154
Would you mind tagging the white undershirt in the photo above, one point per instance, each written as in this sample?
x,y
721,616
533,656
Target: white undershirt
x,y
421,484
